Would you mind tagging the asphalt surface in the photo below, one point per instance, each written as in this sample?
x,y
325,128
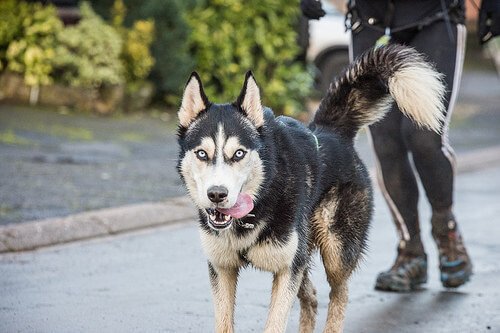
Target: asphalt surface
x,y
156,280
56,163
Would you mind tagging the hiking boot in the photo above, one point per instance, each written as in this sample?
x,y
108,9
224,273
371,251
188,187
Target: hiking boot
x,y
454,262
408,273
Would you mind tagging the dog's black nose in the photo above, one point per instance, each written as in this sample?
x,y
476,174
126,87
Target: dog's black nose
x,y
217,193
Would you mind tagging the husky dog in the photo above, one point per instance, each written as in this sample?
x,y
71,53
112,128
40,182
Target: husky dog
x,y
270,191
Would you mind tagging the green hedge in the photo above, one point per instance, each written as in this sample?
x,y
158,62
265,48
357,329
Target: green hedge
x,y
31,48
221,39
88,54
92,53
173,62
230,37
11,16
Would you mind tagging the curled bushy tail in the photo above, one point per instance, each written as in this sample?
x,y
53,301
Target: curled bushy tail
x,y
365,91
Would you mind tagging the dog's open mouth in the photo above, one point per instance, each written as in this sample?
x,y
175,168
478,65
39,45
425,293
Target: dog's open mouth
x,y
221,218
218,220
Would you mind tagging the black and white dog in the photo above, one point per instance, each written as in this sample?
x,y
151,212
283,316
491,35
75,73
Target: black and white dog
x,y
270,191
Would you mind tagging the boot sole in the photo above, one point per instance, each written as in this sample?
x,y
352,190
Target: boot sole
x,y
455,280
399,286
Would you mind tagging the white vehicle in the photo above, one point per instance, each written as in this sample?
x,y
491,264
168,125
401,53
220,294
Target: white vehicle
x,y
328,45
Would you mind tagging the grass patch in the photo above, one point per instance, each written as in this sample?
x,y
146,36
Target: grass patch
x,y
70,132
132,137
5,209
10,138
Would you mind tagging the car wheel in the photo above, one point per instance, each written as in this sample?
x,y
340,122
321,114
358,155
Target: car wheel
x,y
331,67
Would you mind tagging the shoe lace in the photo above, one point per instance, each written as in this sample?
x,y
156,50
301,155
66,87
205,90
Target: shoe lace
x,y
450,245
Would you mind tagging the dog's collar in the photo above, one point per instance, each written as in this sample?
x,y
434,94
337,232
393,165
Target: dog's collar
x,y
246,225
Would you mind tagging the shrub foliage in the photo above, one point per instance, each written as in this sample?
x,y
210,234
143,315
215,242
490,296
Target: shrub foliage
x,y
88,54
230,37
162,40
34,43
10,21
32,52
172,60
137,40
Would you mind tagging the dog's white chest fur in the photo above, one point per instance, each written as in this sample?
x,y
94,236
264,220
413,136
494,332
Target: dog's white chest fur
x,y
273,257
226,249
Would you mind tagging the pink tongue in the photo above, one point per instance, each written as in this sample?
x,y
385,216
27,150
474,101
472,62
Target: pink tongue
x,y
243,206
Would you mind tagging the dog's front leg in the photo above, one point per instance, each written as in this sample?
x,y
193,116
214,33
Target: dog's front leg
x,y
223,282
285,287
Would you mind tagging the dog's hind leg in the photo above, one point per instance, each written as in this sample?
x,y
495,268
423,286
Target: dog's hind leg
x,y
330,247
336,307
223,282
337,276
285,287
308,305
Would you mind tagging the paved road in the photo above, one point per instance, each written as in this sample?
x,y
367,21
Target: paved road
x,y
58,164
156,281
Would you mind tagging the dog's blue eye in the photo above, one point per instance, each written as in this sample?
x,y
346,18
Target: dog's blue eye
x,y
239,154
201,154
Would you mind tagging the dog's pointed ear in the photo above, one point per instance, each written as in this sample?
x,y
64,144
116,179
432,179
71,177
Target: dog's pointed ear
x,y
194,101
249,100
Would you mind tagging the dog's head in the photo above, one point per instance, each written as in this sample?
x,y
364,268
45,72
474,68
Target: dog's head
x,y
219,158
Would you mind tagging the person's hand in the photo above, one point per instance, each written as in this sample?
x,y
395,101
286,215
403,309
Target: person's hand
x,y
312,9
489,20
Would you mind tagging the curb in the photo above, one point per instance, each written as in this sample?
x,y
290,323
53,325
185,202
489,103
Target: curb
x,y
39,233
103,222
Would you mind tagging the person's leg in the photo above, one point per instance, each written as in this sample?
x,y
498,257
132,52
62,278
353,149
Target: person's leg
x,y
399,187
397,179
432,155
398,184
